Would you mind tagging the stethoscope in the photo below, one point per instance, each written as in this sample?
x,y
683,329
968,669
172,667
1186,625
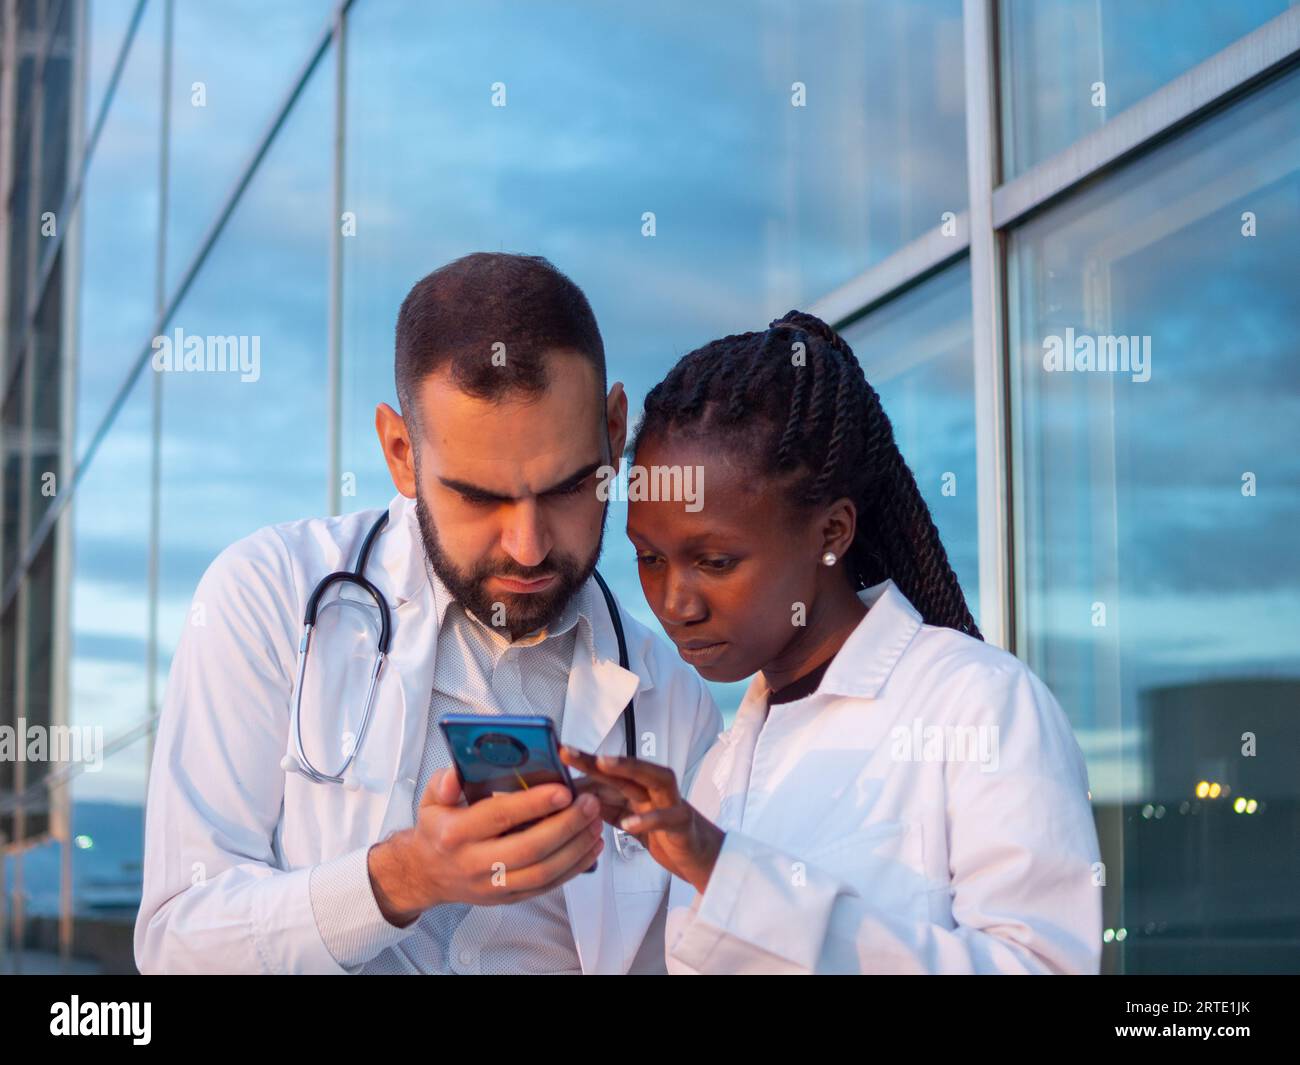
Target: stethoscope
x,y
300,763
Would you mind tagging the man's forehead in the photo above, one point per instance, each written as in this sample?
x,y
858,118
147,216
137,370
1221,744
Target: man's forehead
x,y
504,458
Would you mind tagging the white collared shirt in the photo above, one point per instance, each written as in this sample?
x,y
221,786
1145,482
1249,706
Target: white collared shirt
x,y
478,671
925,810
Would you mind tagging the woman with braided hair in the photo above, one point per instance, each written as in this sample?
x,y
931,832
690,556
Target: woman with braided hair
x,y
894,795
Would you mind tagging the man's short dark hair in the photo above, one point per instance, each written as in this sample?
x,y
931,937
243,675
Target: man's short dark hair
x,y
457,315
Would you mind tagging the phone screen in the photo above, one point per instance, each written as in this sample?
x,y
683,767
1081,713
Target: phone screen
x,y
503,753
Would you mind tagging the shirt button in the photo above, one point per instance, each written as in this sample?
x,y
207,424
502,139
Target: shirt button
x,y
467,957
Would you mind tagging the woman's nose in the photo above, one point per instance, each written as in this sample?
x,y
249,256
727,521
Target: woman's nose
x,y
683,605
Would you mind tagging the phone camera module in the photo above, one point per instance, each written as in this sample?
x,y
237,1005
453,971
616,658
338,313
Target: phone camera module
x,y
500,749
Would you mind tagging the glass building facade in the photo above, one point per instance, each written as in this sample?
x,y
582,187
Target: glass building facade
x,y
989,199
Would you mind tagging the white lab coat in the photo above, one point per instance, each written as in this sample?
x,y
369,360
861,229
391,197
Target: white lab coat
x,y
851,847
230,839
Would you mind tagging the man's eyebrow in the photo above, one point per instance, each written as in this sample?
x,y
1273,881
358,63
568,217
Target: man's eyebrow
x,y
465,488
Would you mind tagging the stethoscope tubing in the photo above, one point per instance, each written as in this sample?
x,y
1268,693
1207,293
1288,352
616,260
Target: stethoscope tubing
x,y
356,576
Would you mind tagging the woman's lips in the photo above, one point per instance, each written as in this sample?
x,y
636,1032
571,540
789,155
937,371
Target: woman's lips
x,y
701,652
513,584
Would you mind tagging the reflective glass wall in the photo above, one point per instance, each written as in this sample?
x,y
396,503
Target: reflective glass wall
x,y
964,188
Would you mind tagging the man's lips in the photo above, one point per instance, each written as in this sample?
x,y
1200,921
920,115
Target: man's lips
x,y
514,584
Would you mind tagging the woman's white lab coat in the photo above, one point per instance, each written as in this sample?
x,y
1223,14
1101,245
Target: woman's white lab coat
x,y
230,839
925,811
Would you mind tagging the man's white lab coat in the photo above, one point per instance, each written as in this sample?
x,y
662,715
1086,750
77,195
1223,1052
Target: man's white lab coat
x,y
230,839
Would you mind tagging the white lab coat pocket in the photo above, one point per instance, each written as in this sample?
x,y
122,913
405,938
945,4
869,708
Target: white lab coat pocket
x,y
634,870
884,862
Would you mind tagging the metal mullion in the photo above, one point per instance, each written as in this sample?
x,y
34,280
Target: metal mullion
x,y
8,108
156,383
60,799
1187,99
334,404
908,266
988,317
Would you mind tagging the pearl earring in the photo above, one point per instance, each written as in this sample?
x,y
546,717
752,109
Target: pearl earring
x,y
828,559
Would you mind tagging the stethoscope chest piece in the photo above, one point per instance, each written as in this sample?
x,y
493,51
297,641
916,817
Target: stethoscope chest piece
x,y
626,844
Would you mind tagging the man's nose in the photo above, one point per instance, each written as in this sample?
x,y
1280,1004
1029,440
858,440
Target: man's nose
x,y
524,536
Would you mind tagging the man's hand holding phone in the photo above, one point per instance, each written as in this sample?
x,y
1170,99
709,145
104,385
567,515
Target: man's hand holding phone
x,y
459,853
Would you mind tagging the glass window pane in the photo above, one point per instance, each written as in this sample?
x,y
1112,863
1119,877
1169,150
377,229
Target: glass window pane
x,y
683,127
232,64
916,352
38,628
47,384
12,423
108,676
109,595
107,23
1157,394
23,213
245,446
1069,66
118,216
55,112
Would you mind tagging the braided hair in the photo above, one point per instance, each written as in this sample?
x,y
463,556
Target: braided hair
x,y
810,417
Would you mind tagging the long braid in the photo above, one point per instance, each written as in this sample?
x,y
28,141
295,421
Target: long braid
x,y
821,417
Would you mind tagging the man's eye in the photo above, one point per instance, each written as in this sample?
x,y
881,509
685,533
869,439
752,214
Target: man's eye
x,y
572,490
476,500
718,565
646,560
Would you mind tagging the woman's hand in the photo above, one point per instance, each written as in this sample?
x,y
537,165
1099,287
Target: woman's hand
x,y
678,837
613,803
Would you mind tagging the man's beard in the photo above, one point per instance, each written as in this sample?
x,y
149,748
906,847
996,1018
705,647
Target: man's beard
x,y
523,612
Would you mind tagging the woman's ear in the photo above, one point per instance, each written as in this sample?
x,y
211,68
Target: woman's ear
x,y
839,525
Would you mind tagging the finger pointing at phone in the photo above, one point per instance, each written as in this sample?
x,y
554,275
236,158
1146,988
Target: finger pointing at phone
x,y
678,836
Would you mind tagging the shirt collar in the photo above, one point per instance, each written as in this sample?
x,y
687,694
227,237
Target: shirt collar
x,y
875,645
871,652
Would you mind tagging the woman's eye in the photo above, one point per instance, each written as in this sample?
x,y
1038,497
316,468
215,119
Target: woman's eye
x,y
646,560
718,565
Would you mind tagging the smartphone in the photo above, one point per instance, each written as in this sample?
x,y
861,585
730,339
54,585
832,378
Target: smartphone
x,y
502,752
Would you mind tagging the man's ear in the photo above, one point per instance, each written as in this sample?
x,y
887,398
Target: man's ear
x,y
395,440
616,422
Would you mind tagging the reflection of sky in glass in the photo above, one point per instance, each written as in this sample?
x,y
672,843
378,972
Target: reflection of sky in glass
x,y
1053,51
118,216
211,144
106,24
238,455
683,110
110,604
916,352
1132,491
